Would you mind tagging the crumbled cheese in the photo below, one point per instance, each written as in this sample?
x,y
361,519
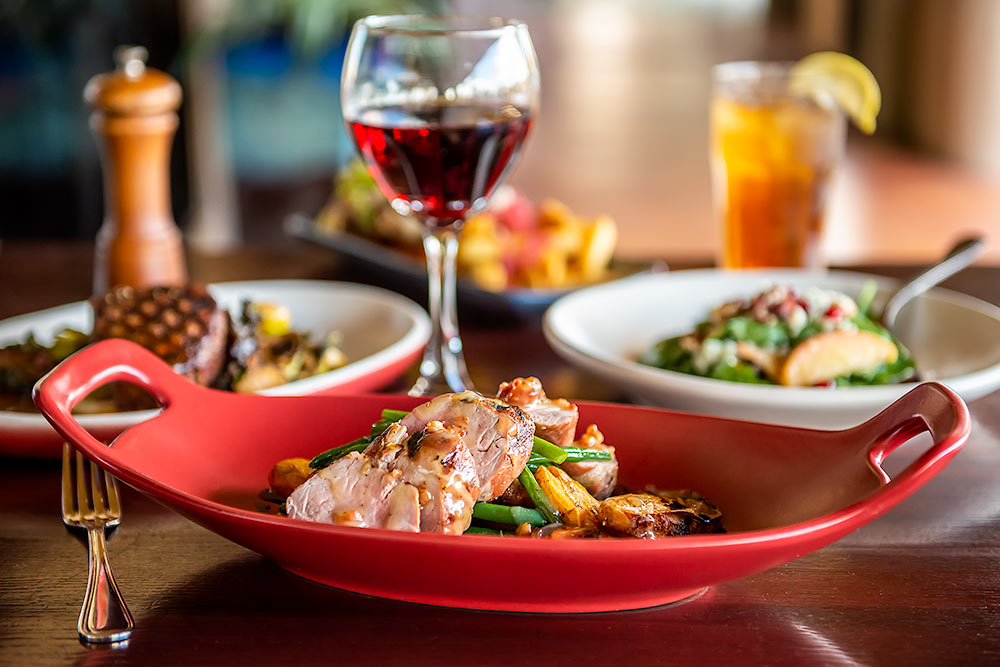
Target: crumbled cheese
x,y
797,320
839,324
712,352
818,301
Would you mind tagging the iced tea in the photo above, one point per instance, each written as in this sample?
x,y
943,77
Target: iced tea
x,y
773,156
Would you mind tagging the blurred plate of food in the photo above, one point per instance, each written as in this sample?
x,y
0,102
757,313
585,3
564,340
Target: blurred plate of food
x,y
785,346
515,257
272,337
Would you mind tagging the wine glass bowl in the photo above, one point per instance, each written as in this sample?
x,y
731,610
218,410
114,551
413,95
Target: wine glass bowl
x,y
439,108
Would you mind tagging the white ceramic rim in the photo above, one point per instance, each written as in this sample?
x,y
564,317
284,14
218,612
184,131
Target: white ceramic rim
x,y
754,394
415,337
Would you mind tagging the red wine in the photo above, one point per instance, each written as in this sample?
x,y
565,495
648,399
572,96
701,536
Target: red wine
x,y
440,162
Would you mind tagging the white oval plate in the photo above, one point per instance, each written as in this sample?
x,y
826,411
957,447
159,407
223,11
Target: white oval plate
x,y
954,338
382,334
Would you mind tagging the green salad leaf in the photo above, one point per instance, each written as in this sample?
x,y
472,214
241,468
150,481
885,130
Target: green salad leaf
x,y
670,355
810,329
761,334
866,296
776,336
741,371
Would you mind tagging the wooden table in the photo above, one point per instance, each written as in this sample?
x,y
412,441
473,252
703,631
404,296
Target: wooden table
x,y
920,585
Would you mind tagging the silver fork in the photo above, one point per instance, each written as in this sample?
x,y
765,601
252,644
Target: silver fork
x,y
92,504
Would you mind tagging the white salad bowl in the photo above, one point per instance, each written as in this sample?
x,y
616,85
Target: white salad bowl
x,y
953,338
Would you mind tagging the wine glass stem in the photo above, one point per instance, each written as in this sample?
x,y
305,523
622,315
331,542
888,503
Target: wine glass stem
x,y
443,366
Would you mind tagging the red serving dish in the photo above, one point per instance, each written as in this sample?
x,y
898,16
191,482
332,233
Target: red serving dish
x,y
784,492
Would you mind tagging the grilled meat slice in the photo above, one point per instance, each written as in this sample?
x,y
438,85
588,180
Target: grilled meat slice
x,y
424,472
651,517
555,419
355,492
498,435
184,326
598,477
438,463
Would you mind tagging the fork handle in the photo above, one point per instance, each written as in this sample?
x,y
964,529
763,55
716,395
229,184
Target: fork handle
x,y
105,617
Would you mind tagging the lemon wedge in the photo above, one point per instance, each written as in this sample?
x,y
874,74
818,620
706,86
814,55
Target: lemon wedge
x,y
845,79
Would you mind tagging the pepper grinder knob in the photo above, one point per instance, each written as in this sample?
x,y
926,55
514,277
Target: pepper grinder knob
x,y
131,59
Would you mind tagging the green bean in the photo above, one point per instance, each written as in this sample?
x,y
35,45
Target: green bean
x,y
537,495
515,515
479,530
329,456
573,454
554,453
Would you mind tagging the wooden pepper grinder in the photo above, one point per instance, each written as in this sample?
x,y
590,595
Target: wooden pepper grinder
x,y
134,120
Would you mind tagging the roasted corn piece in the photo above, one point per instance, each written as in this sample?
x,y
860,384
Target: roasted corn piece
x,y
575,505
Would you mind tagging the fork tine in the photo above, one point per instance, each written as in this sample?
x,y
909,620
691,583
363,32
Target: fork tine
x,y
112,485
95,486
81,487
67,483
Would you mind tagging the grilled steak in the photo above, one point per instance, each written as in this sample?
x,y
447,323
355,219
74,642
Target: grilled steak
x,y
184,326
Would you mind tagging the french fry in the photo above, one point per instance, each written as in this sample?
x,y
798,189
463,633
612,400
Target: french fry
x,y
564,229
553,212
490,275
551,271
599,239
562,250
478,242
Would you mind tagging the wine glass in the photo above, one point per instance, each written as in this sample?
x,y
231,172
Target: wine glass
x,y
439,107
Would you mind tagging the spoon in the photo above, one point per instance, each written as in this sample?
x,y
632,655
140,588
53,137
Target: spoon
x,y
959,257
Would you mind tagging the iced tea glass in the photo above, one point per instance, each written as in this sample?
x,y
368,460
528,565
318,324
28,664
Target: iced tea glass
x,y
773,156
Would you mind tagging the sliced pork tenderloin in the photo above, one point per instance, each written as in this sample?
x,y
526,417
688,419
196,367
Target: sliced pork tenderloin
x,y
555,419
353,491
499,436
438,463
598,477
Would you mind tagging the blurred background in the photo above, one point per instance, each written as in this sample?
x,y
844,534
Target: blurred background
x,y
623,128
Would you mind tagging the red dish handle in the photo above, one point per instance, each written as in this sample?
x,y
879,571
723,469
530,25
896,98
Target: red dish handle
x,y
94,366
930,407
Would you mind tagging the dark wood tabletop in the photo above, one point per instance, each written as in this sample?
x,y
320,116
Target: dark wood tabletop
x,y
920,585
